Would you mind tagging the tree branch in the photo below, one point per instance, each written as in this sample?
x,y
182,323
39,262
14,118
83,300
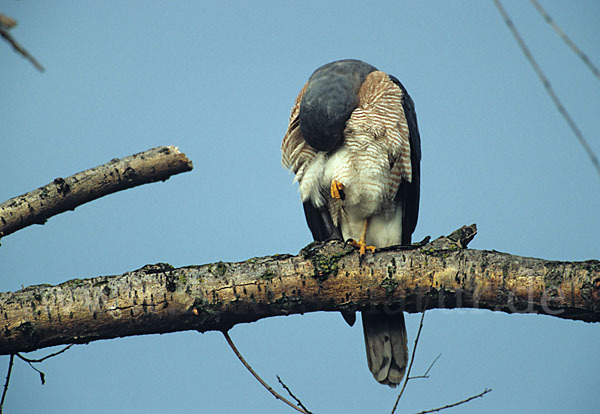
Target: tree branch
x,y
156,164
466,400
298,402
258,378
7,23
412,359
323,277
11,362
426,374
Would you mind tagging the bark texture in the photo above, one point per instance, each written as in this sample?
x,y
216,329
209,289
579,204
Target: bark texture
x,y
63,194
323,277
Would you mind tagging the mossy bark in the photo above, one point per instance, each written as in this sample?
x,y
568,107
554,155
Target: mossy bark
x,y
323,277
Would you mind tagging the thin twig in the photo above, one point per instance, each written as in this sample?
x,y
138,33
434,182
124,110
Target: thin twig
x,y
42,375
35,361
46,357
412,359
466,400
549,89
8,23
10,365
258,378
566,38
292,395
426,374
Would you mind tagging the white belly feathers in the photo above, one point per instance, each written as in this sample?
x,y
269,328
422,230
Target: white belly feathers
x,y
365,193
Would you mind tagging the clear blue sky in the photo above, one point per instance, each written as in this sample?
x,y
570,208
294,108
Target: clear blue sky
x,y
217,79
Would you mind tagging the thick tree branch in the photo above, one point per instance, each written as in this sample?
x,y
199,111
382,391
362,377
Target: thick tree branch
x,y
156,164
323,277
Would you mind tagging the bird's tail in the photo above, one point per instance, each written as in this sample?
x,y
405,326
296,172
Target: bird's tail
x,y
385,342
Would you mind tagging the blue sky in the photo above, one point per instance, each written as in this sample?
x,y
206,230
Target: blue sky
x,y
218,80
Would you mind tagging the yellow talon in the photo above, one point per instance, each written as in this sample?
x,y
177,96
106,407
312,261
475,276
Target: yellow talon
x,y
337,190
362,247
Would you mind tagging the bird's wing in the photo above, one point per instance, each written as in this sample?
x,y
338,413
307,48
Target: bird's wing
x,y
380,110
320,223
295,151
297,154
409,192
389,111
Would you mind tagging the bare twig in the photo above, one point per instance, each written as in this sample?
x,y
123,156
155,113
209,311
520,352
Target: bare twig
x,y
292,395
466,400
412,359
35,361
30,362
426,374
258,378
538,70
42,375
46,357
10,365
7,23
566,38
35,207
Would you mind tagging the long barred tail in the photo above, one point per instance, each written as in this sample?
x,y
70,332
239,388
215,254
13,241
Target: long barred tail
x,y
385,342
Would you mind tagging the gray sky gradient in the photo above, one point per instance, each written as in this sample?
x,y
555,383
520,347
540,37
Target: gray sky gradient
x,y
218,79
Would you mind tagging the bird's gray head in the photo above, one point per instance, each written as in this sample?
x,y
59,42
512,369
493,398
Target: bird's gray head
x,y
329,99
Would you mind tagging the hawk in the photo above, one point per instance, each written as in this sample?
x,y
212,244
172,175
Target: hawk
x,y
354,147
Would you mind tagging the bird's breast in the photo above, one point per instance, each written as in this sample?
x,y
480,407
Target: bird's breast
x,y
363,172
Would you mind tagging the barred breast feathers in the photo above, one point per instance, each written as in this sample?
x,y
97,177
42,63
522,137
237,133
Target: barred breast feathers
x,y
375,156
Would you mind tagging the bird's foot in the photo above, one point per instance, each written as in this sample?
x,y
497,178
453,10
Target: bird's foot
x,y
337,190
362,247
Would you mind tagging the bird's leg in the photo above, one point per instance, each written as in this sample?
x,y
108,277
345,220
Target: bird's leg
x,y
361,245
337,190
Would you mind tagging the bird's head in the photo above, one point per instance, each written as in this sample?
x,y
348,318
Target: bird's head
x,y
328,102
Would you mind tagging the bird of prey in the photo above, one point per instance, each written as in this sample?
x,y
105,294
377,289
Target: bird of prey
x,y
354,147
